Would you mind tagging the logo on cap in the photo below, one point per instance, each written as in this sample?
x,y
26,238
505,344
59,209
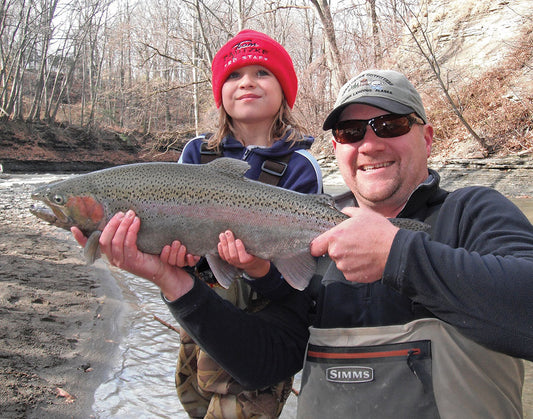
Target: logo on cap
x,y
245,50
374,85
245,44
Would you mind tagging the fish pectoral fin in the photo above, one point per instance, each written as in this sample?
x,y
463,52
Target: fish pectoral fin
x,y
91,251
297,270
223,271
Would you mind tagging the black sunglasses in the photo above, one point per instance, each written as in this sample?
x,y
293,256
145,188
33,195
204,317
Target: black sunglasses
x,y
385,126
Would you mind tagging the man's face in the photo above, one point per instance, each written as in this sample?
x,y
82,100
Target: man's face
x,y
383,172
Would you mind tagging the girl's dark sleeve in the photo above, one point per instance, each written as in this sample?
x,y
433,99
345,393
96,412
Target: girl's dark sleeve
x,y
257,349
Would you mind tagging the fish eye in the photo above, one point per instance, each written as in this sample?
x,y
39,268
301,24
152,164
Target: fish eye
x,y
58,199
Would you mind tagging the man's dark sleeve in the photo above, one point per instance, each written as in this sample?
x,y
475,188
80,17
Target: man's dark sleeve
x,y
475,273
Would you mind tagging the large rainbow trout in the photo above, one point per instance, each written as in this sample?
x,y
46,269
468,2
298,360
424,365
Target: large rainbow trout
x,y
194,204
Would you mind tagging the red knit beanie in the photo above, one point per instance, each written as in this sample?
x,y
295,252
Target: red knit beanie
x,y
254,48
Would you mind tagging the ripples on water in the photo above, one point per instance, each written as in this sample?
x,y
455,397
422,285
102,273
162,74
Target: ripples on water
x,y
142,383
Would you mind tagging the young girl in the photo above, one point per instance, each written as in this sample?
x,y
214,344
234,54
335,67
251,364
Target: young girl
x,y
254,86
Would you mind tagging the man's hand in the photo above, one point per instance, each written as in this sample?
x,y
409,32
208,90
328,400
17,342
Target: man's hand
x,y
359,246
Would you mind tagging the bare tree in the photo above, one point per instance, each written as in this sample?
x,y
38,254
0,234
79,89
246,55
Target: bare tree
x,y
424,45
17,44
46,17
334,57
375,33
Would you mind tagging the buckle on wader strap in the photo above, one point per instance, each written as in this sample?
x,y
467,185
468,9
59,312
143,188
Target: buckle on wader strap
x,y
208,154
273,170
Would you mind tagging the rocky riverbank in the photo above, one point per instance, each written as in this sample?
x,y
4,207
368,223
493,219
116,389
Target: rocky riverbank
x,y
59,148
512,176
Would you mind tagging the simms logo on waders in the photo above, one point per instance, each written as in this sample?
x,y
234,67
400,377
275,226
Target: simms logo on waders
x,y
350,374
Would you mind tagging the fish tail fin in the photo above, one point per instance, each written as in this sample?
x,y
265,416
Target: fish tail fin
x,y
410,224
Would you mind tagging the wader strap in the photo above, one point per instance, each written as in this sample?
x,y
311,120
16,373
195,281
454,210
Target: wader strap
x,y
271,170
207,154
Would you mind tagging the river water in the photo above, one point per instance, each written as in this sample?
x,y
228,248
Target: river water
x,y
141,383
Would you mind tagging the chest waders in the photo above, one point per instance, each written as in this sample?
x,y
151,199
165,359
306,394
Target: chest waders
x,y
205,389
422,369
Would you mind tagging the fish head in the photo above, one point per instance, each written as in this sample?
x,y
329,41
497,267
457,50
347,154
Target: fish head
x,y
69,208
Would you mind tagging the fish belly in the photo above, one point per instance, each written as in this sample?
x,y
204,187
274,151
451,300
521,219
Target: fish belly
x,y
264,232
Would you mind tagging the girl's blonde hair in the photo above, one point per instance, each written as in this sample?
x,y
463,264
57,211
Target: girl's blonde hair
x,y
283,122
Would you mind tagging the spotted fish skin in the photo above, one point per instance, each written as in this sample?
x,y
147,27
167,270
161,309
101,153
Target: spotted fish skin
x,y
194,204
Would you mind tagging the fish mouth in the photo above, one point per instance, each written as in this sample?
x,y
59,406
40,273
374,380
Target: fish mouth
x,y
50,213
52,216
43,213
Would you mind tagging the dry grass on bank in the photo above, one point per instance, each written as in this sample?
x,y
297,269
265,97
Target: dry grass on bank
x,y
498,105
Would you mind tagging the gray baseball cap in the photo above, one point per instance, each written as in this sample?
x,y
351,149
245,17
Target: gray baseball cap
x,y
384,89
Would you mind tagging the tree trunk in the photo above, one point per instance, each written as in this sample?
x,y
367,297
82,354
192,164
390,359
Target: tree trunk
x,y
333,57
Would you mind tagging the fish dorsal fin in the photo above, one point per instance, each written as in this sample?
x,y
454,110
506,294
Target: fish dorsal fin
x,y
229,166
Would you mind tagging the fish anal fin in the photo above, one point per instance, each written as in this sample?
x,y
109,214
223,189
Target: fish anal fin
x,y
297,270
223,271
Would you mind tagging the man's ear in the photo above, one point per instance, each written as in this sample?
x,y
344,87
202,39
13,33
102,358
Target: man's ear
x,y
428,137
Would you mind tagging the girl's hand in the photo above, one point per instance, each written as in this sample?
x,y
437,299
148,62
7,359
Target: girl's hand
x,y
176,255
233,251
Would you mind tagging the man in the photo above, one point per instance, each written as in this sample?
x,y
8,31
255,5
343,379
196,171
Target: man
x,y
403,323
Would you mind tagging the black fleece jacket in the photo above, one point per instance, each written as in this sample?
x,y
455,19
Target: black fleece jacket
x,y
473,270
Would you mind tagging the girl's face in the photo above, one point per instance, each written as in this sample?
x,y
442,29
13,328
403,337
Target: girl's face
x,y
252,94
